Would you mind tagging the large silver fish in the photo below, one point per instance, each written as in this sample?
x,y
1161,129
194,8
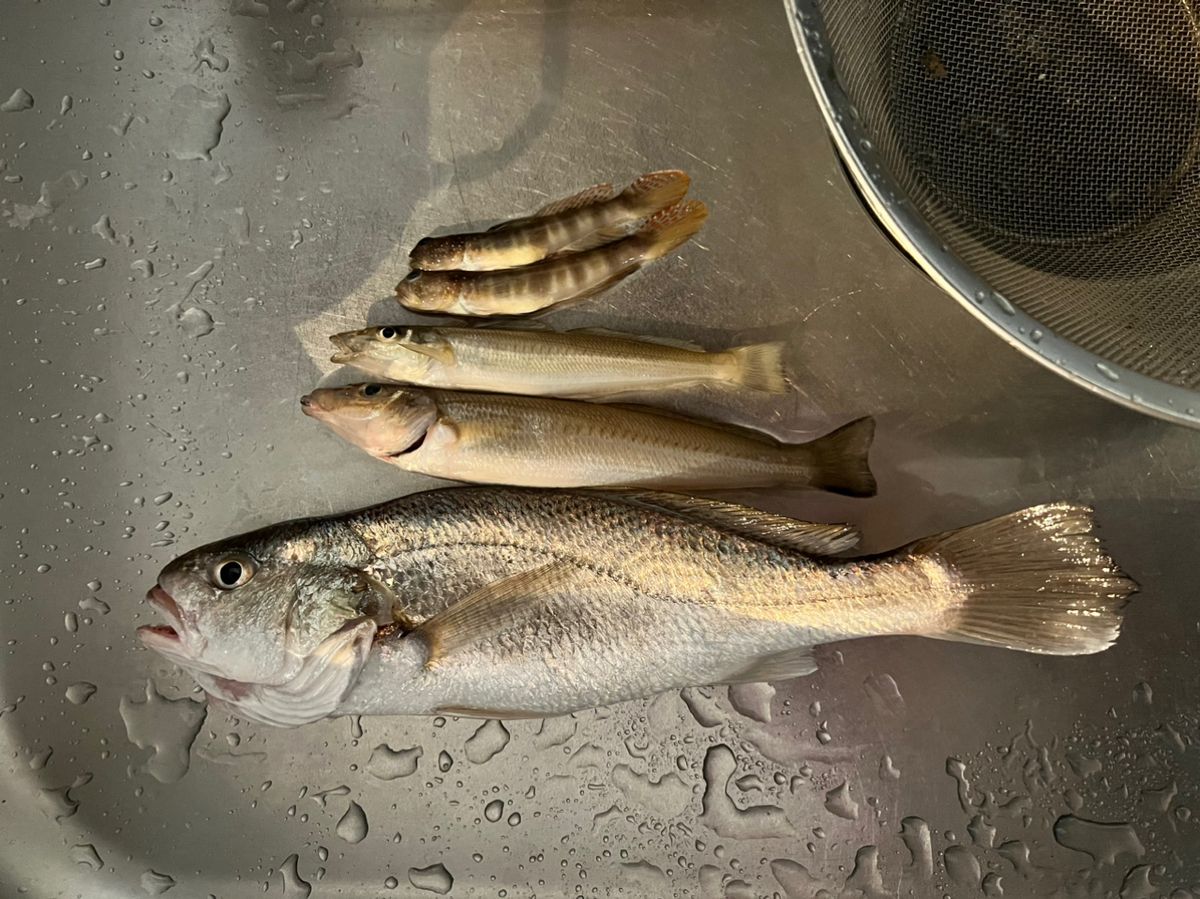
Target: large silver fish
x,y
507,603
548,363
536,442
551,282
590,218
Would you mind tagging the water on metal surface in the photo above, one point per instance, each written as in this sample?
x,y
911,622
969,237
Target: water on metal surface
x,y
195,195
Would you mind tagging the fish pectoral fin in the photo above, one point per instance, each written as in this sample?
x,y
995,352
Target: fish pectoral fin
x,y
589,196
492,609
597,238
463,711
777,666
766,527
441,351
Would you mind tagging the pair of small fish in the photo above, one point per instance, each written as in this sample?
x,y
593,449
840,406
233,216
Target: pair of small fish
x,y
570,249
532,440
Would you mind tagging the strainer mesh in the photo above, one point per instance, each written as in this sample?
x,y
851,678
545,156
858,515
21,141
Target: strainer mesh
x,y
1053,146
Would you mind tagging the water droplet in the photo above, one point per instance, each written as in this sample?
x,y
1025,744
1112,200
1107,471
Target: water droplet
x,y
1108,371
388,764
445,761
866,877
353,824
839,802
156,884
795,879
1143,694
255,8
961,865
1005,306
38,760
168,726
1137,884
915,834
81,692
155,21
43,568
195,122
752,700
1102,841
20,100
982,833
162,498
888,769
293,884
488,741
64,105
322,797
94,264
726,819
956,769
195,322
144,268
992,885
86,854
206,54
391,883
883,690
1036,335
494,810
433,879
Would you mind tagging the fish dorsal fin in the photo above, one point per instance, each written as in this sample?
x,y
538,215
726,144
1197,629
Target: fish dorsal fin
x,y
490,610
766,527
777,666
662,341
597,193
744,431
512,223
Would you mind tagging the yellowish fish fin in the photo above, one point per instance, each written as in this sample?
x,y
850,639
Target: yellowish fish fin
x,y
438,349
839,459
512,223
655,191
462,711
597,193
666,230
777,666
760,367
1035,580
597,238
492,609
766,527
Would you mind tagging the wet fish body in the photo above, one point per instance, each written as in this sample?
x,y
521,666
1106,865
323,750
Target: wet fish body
x,y
500,602
591,217
539,442
555,281
547,363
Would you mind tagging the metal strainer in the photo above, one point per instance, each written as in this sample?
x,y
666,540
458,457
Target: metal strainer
x,y
1038,159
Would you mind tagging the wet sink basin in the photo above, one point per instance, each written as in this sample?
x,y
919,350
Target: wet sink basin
x,y
195,195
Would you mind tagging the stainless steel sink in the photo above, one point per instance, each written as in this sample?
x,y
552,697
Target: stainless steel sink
x,y
201,192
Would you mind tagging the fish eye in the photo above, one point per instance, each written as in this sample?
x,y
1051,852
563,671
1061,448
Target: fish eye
x,y
414,275
231,572
388,333
370,389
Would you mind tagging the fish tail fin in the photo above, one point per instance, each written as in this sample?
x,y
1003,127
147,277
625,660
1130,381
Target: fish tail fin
x,y
838,460
1035,580
655,191
759,366
673,226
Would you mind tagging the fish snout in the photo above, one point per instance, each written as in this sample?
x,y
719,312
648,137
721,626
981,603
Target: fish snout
x,y
344,352
310,405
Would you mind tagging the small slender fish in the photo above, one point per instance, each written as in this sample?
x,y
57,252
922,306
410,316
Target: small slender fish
x,y
590,218
562,279
536,442
503,603
582,364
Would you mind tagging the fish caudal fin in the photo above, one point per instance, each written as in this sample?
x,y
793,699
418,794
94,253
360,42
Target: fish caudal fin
x,y
670,228
760,367
655,191
838,461
1036,580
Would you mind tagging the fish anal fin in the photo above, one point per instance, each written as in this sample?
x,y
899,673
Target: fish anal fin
x,y
589,196
767,527
783,665
491,610
462,711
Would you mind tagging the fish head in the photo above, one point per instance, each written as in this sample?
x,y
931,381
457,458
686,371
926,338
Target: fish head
x,y
385,420
438,253
424,291
403,354
277,622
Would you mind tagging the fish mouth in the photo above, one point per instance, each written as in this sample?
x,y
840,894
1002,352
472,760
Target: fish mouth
x,y
162,636
309,406
345,352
